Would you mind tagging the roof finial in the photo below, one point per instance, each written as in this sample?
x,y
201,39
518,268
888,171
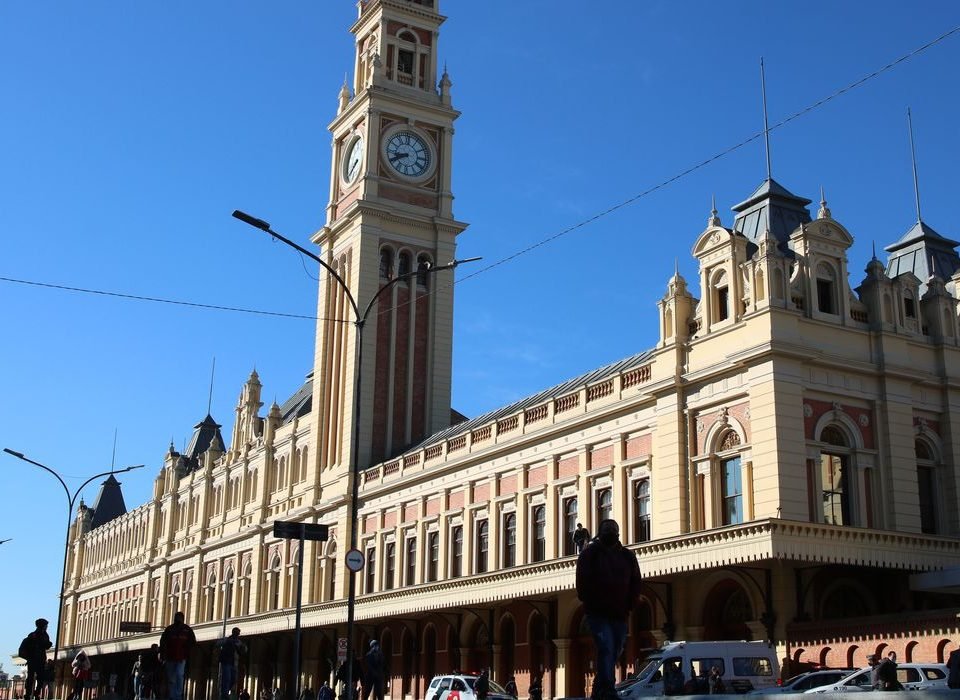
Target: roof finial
x,y
714,220
113,458
766,128
213,369
824,212
676,266
874,250
913,156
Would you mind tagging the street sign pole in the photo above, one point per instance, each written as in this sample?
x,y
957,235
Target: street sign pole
x,y
290,530
296,646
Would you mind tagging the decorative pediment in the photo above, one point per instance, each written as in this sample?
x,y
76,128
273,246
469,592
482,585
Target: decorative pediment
x,y
712,238
826,230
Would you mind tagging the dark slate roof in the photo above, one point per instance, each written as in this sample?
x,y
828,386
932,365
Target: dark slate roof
x,y
300,403
566,387
205,432
772,208
109,503
925,253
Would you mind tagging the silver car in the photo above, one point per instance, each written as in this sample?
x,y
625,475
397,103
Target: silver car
x,y
803,682
912,676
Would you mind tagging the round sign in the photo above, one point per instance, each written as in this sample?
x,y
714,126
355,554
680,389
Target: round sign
x,y
354,560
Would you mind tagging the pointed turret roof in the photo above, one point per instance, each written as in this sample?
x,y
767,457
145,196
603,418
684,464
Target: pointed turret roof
x,y
773,208
925,253
109,503
205,432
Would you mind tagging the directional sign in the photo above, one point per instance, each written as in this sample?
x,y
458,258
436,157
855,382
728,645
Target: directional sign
x,y
291,530
354,560
138,627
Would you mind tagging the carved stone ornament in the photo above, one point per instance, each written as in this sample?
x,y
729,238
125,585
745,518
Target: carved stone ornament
x,y
837,408
807,410
730,440
724,416
864,420
715,238
699,426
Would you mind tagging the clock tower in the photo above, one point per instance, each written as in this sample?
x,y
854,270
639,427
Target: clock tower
x,y
390,213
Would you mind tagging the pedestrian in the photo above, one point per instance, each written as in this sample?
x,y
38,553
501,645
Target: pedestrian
x,y
887,673
511,686
176,642
244,695
608,585
375,676
325,692
580,537
482,685
150,673
277,694
80,668
136,676
535,691
265,694
49,676
307,694
715,681
230,650
33,650
953,668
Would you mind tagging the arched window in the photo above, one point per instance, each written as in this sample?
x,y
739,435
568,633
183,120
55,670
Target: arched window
x,y
371,568
456,552
274,586
423,274
228,594
510,540
332,565
404,268
539,552
927,487
569,525
604,505
483,544
731,490
641,510
386,263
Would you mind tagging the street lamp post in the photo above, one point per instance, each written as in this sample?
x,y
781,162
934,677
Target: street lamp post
x,y
360,319
71,499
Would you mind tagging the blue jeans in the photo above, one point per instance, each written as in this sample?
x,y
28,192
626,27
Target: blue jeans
x,y
175,670
228,678
608,637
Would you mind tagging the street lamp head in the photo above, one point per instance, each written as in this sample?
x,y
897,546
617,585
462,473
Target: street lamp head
x,y
18,455
252,220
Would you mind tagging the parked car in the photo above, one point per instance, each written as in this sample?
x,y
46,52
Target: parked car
x,y
803,682
460,686
679,666
912,676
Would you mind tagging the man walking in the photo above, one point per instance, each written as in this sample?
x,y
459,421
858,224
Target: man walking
x,y
230,650
175,644
33,650
608,585
376,672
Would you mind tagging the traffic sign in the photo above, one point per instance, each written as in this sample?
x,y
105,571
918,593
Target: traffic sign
x,y
292,530
354,560
342,649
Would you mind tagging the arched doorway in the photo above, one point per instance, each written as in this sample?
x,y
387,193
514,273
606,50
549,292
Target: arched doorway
x,y
407,660
726,612
453,650
429,654
508,640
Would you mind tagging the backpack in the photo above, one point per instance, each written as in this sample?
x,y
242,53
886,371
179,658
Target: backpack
x,y
26,648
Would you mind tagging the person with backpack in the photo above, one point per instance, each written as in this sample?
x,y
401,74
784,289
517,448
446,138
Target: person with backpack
x,y
176,642
80,668
230,650
33,650
481,686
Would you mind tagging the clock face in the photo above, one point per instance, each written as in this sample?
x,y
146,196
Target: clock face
x,y
408,154
353,161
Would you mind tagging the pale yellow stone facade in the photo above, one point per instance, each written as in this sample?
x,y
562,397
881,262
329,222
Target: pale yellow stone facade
x,y
781,462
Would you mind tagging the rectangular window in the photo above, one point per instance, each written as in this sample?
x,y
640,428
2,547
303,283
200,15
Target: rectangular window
x,y
510,540
483,546
927,488
540,533
391,566
433,547
825,296
732,491
908,308
641,510
456,552
569,525
411,577
405,62
371,569
723,304
833,477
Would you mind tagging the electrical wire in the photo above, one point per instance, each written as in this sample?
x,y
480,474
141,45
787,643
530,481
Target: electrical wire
x,y
549,239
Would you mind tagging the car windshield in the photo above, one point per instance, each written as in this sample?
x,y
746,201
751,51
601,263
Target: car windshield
x,y
497,688
653,663
791,681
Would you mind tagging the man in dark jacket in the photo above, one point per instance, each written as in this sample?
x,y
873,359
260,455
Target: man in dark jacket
x,y
608,585
33,649
375,677
953,666
176,642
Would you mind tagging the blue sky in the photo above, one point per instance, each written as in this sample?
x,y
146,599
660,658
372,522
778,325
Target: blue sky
x,y
130,131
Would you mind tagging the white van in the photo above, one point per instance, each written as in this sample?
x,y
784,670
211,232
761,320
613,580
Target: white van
x,y
680,668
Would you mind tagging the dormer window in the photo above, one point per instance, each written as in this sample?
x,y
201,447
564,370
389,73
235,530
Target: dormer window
x,y
909,307
721,296
405,62
826,290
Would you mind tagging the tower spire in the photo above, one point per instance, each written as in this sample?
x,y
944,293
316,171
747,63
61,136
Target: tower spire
x,y
213,369
714,219
766,127
913,157
113,457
